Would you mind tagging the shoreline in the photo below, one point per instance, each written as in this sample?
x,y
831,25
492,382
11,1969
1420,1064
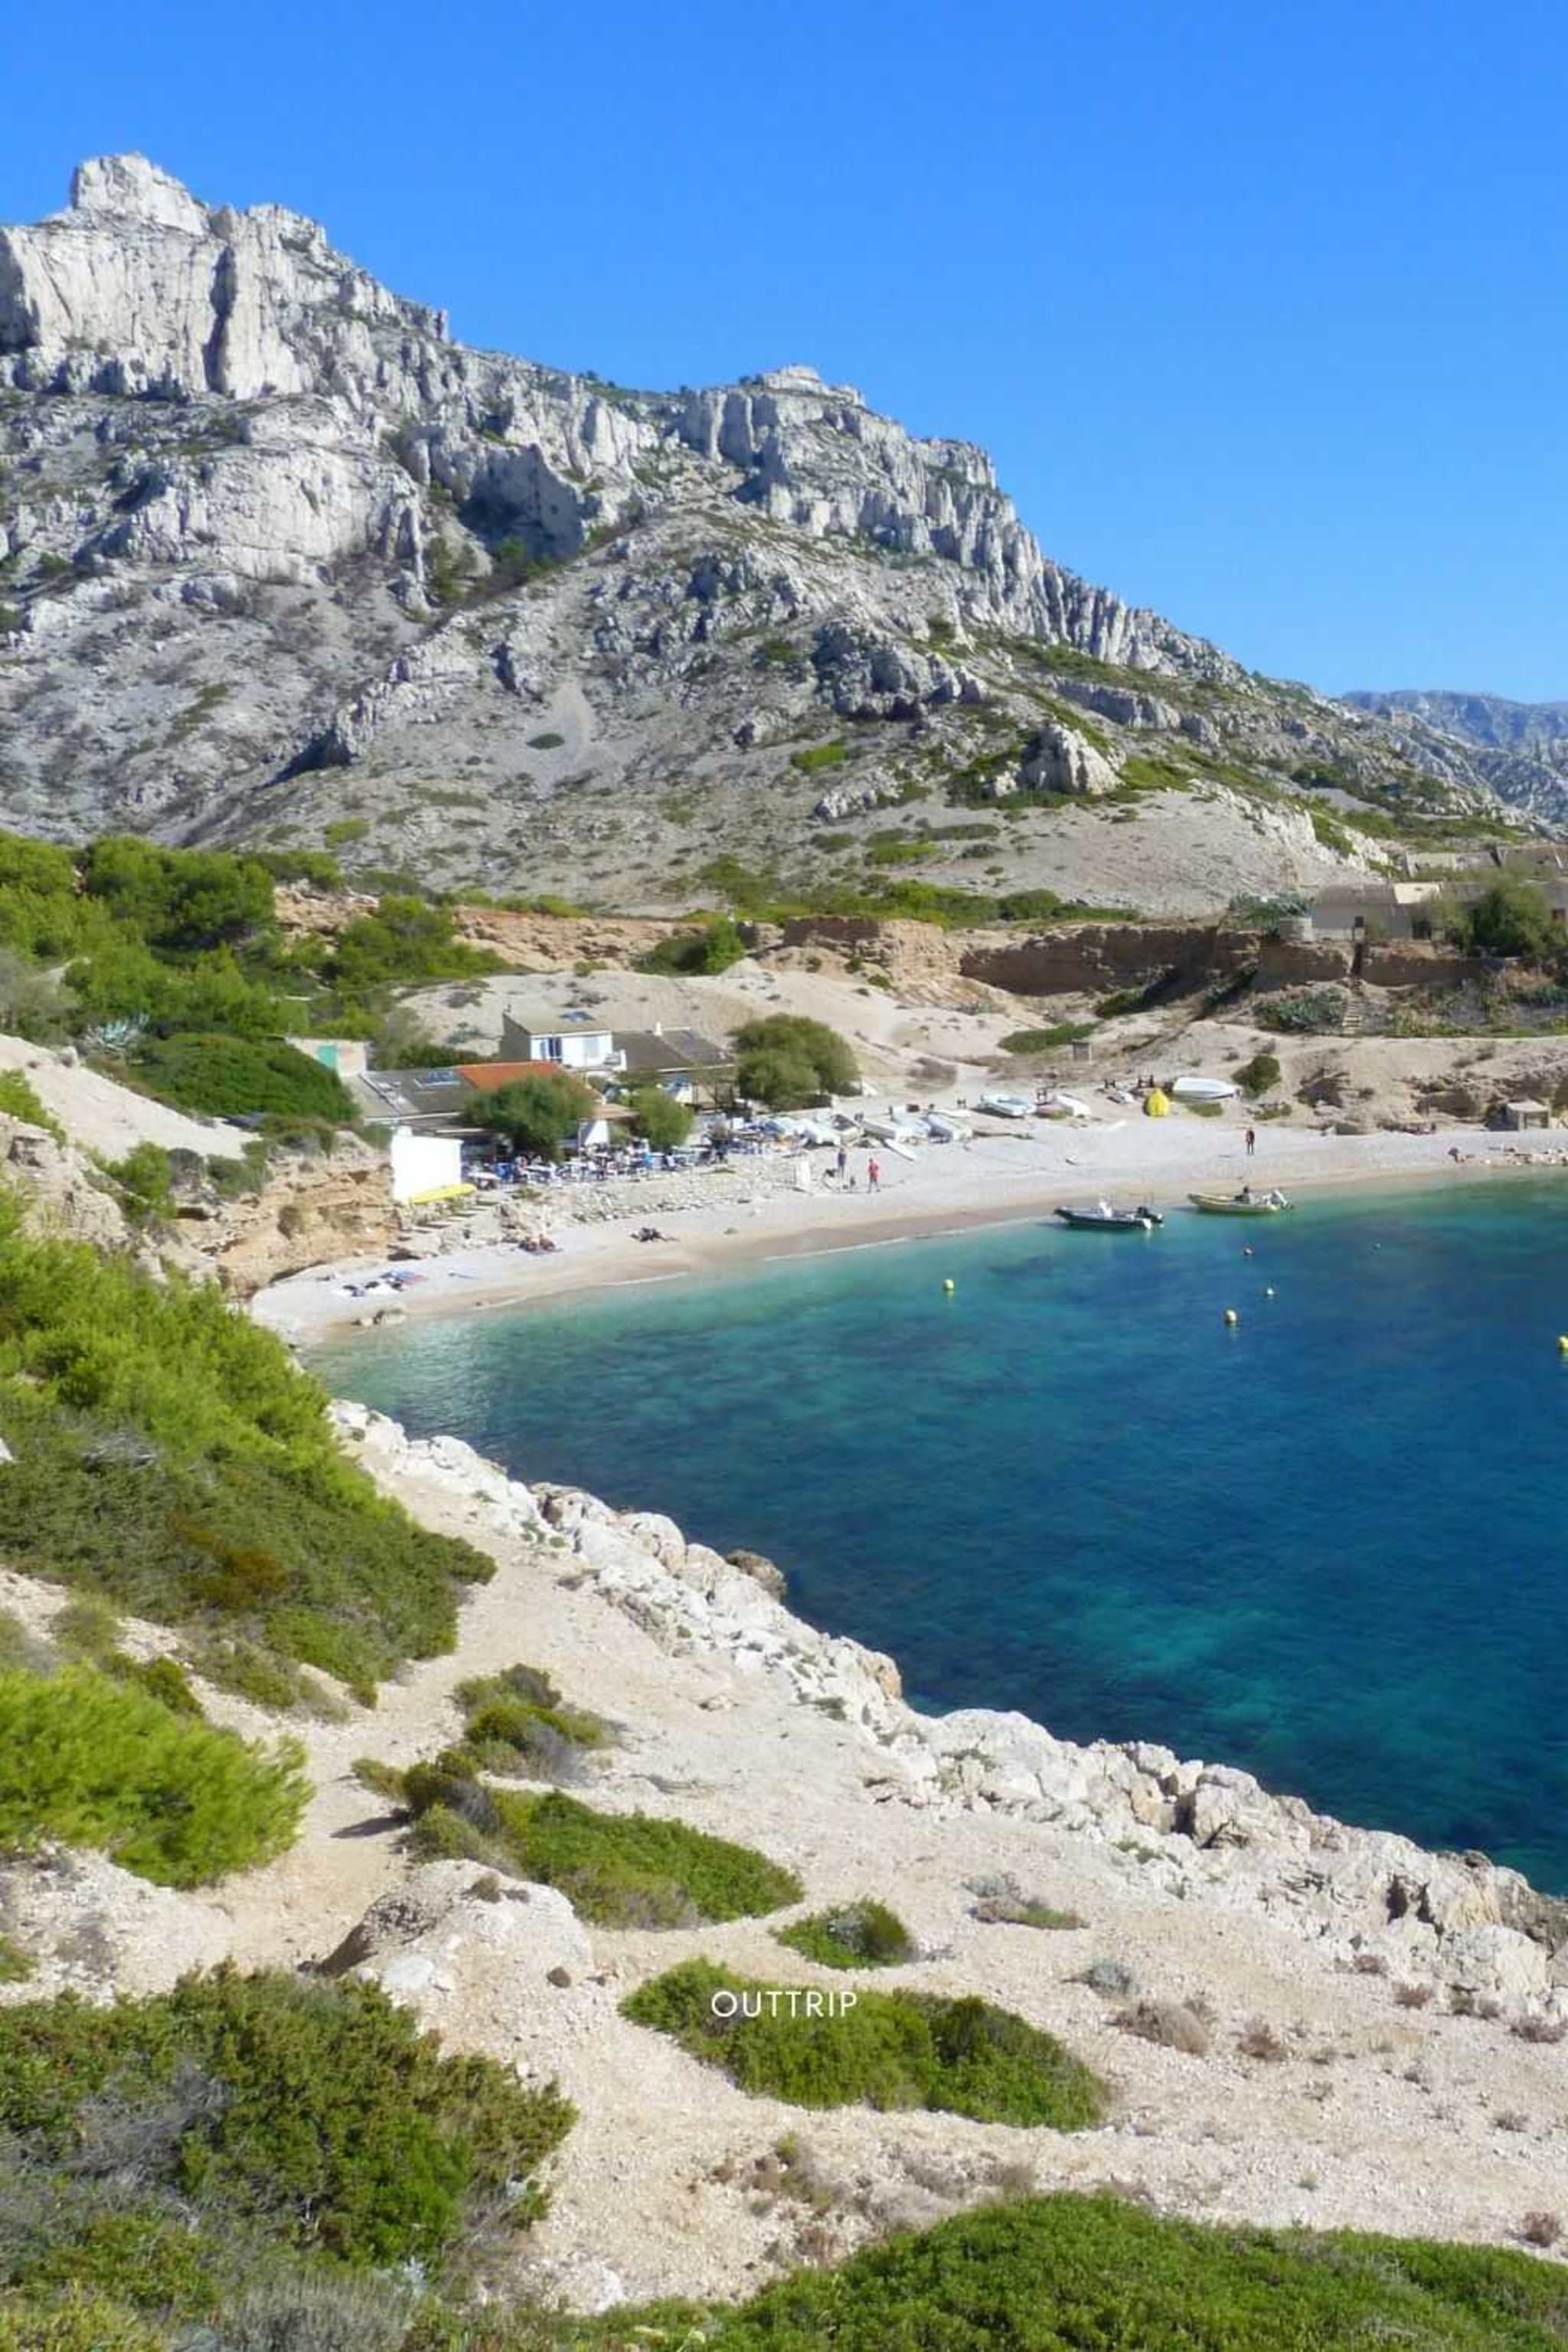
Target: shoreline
x,y
952,1190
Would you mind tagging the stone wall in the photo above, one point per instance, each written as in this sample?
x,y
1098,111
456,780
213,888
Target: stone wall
x,y
1098,958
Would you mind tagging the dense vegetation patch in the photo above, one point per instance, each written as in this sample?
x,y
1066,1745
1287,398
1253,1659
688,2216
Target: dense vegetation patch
x,y
170,963
786,1061
712,948
538,1112
864,1934
1260,1076
225,1077
621,1870
1072,2273
170,1455
958,2057
252,2138
109,1763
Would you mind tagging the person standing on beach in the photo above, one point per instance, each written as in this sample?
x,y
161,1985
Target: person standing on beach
x,y
873,1175
1251,1141
843,1163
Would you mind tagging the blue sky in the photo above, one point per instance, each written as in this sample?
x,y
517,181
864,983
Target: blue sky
x,y
1260,310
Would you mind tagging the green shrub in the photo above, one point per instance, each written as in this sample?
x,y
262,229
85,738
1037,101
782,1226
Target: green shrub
x,y
313,2117
79,2320
379,1780
1100,2274
620,1870
891,2049
819,756
19,1100
100,1763
405,941
87,1628
538,1112
226,1077
661,1120
16,1965
713,949
864,1934
1513,918
1303,1010
155,1432
1260,1076
786,1061
163,1679
144,1178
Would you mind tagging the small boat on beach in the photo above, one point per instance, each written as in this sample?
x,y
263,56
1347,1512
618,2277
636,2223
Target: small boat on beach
x,y
1103,1219
1244,1204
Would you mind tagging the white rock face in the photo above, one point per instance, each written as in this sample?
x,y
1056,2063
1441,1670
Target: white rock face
x,y
1205,1830
263,518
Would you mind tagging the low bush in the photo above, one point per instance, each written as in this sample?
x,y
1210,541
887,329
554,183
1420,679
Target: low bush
x,y
517,1723
1301,1011
621,1870
241,2123
143,1176
1100,2274
1260,1076
19,1100
225,1077
891,2049
819,756
864,1934
1045,1041
97,1762
16,1965
170,1457
713,949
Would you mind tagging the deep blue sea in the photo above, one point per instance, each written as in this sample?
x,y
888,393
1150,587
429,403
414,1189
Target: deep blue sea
x,y
1329,1544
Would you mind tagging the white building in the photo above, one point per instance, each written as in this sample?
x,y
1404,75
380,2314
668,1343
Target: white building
x,y
425,1167
568,1044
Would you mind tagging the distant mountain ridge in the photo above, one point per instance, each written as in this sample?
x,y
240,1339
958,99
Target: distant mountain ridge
x,y
280,562
1520,748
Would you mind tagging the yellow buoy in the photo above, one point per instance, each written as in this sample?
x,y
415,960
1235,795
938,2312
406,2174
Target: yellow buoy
x,y
1562,1344
1231,1316
949,1286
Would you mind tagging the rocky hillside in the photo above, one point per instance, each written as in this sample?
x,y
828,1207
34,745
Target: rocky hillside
x,y
280,562
1520,748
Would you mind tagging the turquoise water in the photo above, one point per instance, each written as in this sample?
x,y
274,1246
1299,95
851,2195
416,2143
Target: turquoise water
x,y
1329,1545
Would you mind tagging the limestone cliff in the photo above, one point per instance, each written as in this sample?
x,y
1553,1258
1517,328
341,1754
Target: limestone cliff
x,y
263,521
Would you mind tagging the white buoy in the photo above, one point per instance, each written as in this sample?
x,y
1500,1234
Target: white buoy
x,y
1231,1317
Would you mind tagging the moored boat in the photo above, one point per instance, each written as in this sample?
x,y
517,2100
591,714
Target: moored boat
x,y
1103,1219
1244,1204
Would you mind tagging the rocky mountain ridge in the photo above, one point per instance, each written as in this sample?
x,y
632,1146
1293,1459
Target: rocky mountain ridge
x,y
281,561
1521,748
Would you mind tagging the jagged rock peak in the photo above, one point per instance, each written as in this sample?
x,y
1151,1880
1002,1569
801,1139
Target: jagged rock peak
x,y
139,288
129,187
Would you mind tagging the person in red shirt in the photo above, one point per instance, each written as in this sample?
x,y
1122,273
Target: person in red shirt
x,y
873,1175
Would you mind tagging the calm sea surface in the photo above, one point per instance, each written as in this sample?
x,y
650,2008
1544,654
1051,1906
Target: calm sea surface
x,y
1330,1544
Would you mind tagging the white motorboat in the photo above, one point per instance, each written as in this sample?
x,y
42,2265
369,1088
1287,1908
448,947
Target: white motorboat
x,y
1006,1106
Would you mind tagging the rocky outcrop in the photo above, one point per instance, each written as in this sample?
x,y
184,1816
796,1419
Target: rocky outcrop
x,y
264,521
1061,760
1206,1831
312,1207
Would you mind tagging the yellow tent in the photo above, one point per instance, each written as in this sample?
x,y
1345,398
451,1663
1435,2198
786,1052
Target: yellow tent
x,y
1157,1103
